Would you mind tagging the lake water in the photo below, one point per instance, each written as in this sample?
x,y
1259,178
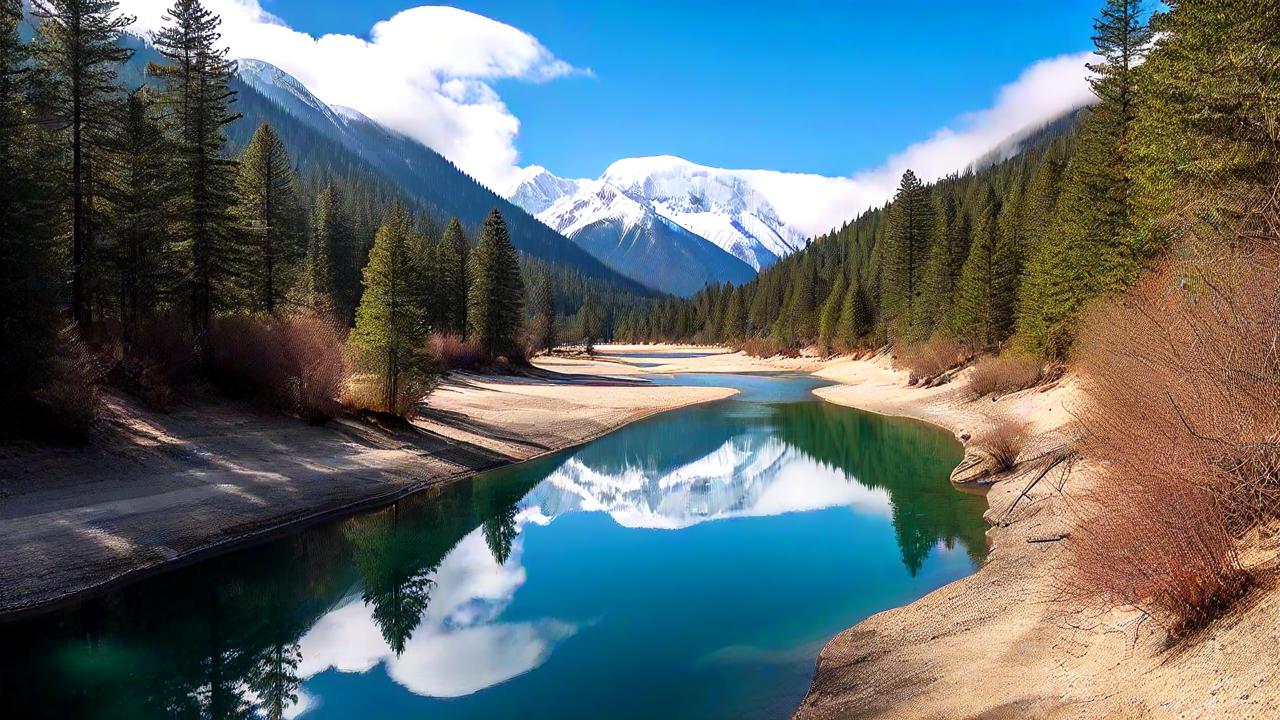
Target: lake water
x,y
688,566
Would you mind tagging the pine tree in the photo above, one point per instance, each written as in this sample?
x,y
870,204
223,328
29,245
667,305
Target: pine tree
x,y
28,300
452,259
1097,246
332,256
911,227
735,317
829,325
942,270
195,90
387,340
270,217
855,315
987,289
495,295
543,323
141,192
78,52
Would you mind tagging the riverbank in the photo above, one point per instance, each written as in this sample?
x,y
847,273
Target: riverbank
x,y
1003,642
154,490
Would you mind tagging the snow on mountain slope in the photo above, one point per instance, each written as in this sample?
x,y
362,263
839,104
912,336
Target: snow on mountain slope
x,y
720,205
631,237
535,189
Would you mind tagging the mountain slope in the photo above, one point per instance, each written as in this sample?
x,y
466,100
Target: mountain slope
x,y
268,94
626,234
719,205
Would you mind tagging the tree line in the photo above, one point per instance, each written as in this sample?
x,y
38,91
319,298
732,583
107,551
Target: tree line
x,y
1008,256
124,208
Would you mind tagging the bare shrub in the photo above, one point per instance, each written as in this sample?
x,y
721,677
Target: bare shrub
x,y
1159,546
294,363
451,352
315,363
1004,374
1182,377
1004,440
763,347
932,357
67,402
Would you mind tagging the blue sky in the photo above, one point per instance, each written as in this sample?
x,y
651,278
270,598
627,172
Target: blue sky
x,y
821,87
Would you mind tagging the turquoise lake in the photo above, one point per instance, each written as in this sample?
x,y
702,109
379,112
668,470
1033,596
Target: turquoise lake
x,y
690,565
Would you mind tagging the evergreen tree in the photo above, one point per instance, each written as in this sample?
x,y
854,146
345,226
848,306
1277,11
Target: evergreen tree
x,y
543,324
911,227
942,270
270,216
387,340
78,52
495,297
829,325
195,90
1097,245
28,300
452,259
735,317
141,192
332,256
987,289
855,315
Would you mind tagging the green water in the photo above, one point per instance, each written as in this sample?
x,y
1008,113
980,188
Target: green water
x,y
688,566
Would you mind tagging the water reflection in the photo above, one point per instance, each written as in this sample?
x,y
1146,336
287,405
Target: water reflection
x,y
438,594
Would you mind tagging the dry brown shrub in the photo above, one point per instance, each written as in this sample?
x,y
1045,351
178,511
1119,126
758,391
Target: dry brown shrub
x,y
932,357
1004,440
1004,374
158,360
451,352
67,402
1182,377
1160,547
764,347
294,363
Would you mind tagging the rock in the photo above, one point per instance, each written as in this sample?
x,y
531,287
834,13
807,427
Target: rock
x,y
975,466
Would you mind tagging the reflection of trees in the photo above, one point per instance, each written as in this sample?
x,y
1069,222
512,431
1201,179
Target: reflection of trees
x,y
397,579
219,640
910,460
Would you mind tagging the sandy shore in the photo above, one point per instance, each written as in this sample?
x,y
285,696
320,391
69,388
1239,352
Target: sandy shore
x,y
152,490
1003,643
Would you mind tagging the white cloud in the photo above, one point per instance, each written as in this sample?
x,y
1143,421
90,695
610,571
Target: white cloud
x,y
426,71
1046,90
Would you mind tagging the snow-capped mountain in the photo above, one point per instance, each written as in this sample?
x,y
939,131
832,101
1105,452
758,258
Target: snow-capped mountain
x,y
719,205
630,214
626,233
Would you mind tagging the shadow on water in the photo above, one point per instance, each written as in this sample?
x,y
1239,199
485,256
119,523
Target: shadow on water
x,y
231,637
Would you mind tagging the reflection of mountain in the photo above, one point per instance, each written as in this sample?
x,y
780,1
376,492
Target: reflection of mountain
x,y
752,474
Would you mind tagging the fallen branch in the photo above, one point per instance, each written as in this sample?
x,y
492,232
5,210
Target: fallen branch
x,y
1056,461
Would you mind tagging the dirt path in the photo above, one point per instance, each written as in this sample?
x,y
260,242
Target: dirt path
x,y
153,489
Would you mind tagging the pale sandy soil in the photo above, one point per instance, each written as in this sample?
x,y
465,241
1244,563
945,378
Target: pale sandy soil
x,y
154,489
1005,642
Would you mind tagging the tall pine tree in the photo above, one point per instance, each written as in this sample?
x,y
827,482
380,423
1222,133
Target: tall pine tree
x,y
986,293
911,227
78,52
270,216
451,257
195,91
387,340
495,295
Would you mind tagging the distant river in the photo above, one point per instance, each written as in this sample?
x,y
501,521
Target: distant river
x,y
688,566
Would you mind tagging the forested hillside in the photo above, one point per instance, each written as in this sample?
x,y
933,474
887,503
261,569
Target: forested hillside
x,y
1008,257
